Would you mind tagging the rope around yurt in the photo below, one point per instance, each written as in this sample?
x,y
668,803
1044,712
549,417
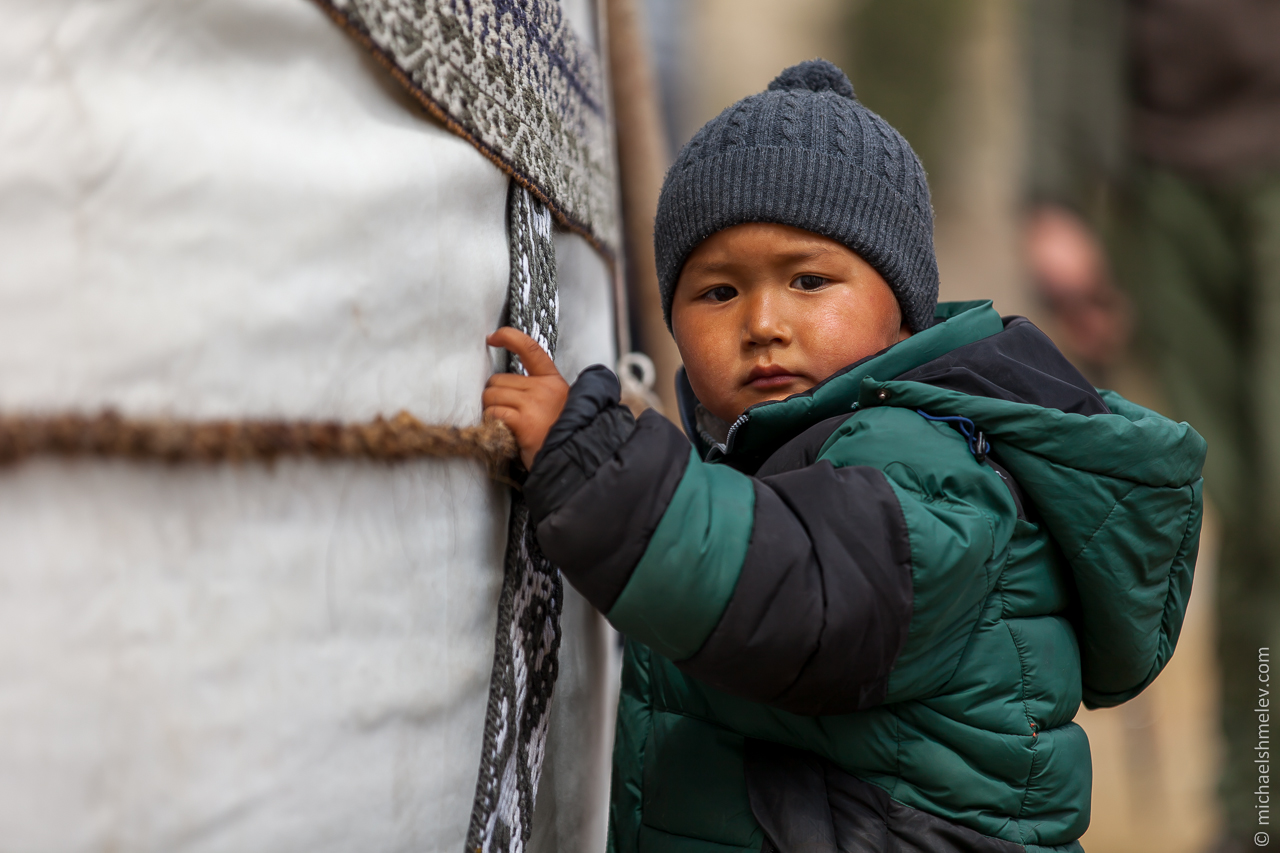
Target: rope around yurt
x,y
109,434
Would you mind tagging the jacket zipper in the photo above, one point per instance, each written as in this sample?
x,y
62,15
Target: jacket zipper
x,y
733,428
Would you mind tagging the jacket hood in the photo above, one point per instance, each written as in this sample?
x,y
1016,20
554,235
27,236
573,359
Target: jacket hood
x,y
1118,486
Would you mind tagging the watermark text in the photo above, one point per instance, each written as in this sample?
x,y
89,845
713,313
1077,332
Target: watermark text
x,y
1262,752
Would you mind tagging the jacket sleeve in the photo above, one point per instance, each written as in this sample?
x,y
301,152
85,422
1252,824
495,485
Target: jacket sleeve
x,y
796,589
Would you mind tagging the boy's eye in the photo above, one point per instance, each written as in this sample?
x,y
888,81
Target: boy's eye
x,y
810,282
723,293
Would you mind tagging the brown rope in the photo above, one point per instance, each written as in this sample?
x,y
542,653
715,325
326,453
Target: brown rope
x,y
109,434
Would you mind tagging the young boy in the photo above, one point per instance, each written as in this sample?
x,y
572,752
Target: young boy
x,y
908,541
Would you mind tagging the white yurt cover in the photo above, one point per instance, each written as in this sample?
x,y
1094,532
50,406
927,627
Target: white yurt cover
x,y
229,210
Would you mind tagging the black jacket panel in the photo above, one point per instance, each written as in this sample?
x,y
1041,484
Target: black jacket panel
x,y
823,604
597,497
806,804
590,429
1020,364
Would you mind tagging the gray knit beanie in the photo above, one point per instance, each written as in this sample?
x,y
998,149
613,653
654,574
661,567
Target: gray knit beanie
x,y
805,153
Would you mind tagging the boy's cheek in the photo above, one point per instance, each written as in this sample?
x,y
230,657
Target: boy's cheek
x,y
714,388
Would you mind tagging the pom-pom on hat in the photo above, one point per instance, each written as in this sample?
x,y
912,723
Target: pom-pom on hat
x,y
805,152
816,75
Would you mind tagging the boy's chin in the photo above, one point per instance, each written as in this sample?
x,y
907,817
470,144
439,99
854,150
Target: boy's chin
x,y
773,395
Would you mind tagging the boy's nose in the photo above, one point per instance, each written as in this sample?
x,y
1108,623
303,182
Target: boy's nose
x,y
766,321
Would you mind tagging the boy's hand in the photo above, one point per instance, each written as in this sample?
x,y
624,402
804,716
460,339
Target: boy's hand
x,y
529,405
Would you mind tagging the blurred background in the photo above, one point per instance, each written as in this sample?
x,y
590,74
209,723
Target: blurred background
x,y
1045,128
1108,168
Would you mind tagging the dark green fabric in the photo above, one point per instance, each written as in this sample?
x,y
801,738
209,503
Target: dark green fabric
x,y
1103,493
683,582
977,727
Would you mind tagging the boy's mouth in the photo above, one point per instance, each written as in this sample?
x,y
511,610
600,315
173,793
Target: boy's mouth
x,y
765,377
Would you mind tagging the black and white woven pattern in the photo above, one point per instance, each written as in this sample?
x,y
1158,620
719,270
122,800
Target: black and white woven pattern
x,y
527,642
533,301
512,77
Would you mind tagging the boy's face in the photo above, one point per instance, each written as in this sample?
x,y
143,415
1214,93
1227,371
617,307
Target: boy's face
x,y
764,311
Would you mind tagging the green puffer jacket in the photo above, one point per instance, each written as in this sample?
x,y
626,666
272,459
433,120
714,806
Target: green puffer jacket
x,y
866,619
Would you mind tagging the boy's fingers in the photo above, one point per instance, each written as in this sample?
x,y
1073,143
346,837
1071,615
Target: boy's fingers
x,y
502,413
508,380
510,397
535,358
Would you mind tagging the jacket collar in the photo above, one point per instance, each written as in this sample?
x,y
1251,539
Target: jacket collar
x,y
766,426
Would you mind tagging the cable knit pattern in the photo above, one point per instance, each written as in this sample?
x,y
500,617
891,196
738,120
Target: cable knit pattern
x,y
805,152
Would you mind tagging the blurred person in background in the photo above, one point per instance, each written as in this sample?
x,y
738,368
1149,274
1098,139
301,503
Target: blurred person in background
x,y
1155,209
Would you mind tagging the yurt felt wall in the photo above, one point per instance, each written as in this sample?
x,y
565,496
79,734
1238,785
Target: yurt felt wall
x,y
228,210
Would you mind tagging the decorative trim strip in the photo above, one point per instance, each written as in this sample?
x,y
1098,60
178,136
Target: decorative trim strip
x,y
511,78
526,655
